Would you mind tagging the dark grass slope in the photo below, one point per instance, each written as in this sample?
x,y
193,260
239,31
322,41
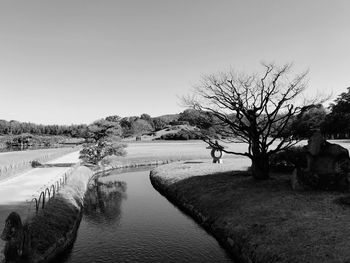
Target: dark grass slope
x,y
262,221
52,224
53,229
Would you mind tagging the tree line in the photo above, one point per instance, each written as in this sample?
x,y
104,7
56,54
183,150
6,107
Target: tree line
x,y
333,121
16,128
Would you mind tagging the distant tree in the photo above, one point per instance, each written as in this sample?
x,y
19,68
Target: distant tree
x,y
305,123
147,118
105,139
94,153
103,128
342,103
126,124
141,126
201,119
20,142
159,124
114,118
250,109
337,122
190,115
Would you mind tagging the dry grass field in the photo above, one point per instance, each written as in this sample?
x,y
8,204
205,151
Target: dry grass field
x,y
13,162
152,151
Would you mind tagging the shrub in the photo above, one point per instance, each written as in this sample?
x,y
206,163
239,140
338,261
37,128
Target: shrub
x,y
35,164
180,135
94,153
287,160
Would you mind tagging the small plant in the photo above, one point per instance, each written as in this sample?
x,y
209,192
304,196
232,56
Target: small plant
x,y
35,164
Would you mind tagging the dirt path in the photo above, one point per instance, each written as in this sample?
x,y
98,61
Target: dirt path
x,y
22,187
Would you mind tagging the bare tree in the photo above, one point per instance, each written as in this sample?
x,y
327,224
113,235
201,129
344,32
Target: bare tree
x,y
253,109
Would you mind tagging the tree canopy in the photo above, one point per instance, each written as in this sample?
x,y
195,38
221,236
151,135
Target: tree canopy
x,y
337,122
251,108
105,135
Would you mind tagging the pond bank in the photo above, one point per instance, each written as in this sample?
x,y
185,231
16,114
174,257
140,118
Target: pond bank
x,y
53,229
258,221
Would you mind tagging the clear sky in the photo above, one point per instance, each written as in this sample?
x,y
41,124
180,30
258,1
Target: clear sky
x,y
69,61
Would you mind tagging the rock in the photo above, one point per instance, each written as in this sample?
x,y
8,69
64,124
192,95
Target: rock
x,y
328,166
297,185
315,143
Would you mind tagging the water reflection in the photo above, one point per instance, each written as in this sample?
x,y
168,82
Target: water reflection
x,y
103,202
145,227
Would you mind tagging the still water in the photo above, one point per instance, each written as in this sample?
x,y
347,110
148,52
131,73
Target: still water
x,y
132,222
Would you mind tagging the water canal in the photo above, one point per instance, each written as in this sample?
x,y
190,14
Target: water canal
x,y
137,224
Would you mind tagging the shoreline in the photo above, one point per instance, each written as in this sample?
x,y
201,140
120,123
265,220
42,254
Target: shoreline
x,y
263,221
161,185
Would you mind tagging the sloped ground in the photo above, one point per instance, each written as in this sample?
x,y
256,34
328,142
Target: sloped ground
x,y
54,227
259,221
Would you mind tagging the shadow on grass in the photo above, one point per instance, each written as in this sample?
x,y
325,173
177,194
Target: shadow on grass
x,y
267,218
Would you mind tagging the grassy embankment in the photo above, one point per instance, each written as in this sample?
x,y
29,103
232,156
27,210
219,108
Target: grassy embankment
x,y
54,228
15,162
259,221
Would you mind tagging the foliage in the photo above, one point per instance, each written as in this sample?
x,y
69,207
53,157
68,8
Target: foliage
x,y
114,118
286,160
94,153
201,119
103,128
180,135
255,110
141,126
168,118
105,135
338,121
342,103
158,124
148,119
29,141
307,122
35,164
15,128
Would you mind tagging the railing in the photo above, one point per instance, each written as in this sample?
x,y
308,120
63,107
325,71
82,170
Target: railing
x,y
49,191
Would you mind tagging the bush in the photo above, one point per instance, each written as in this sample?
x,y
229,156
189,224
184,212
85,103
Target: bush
x,y
287,160
180,135
35,164
94,153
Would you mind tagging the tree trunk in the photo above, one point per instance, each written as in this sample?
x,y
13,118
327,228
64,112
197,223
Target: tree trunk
x,y
260,166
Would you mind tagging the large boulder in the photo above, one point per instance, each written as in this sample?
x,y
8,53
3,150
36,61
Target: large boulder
x,y
327,168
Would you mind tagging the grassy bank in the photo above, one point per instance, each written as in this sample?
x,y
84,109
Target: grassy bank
x,y
259,221
53,229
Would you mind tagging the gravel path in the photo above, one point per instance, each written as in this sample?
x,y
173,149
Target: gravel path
x,y
23,186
